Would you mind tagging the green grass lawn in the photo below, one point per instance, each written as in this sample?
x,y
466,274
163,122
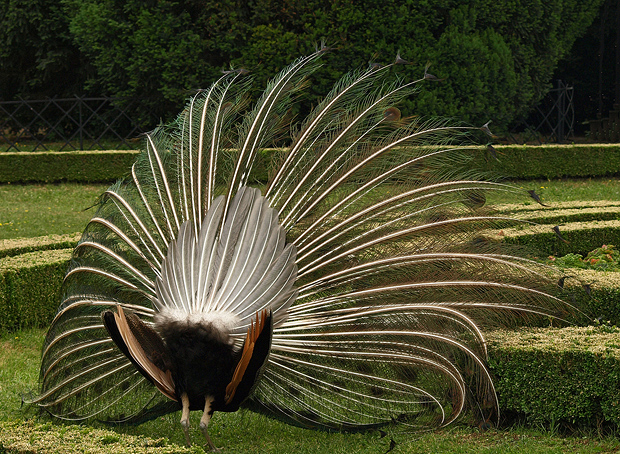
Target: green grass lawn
x,y
35,210
42,209
241,432
570,190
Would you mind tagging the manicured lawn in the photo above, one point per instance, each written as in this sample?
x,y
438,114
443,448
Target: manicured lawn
x,y
567,190
242,432
42,209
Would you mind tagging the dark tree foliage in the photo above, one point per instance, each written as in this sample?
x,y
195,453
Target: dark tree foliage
x,y
158,51
37,54
497,57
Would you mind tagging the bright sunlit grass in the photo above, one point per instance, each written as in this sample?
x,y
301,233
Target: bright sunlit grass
x,y
567,190
35,210
42,209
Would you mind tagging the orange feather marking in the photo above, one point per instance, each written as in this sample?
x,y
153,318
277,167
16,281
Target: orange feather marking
x,y
248,349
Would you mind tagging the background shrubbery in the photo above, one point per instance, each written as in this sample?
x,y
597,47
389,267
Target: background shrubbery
x,y
498,57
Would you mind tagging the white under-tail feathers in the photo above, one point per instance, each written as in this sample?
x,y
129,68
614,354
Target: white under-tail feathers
x,y
366,247
247,270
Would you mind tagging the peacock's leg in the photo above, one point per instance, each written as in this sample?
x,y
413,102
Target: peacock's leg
x,y
204,422
185,417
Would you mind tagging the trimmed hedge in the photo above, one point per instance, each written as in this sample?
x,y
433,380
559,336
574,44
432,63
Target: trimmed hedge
x,y
585,225
595,292
13,247
554,376
533,209
525,162
602,300
30,288
558,213
54,166
521,162
89,166
574,215
35,278
581,237
38,275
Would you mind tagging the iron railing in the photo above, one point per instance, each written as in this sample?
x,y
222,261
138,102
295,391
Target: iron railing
x,y
78,123
553,119
83,123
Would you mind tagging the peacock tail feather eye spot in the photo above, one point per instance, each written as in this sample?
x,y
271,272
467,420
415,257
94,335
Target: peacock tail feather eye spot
x,y
376,391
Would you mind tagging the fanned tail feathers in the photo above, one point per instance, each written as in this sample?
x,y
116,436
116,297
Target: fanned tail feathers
x,y
368,248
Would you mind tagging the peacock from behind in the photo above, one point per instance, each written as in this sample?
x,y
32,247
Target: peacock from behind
x,y
349,293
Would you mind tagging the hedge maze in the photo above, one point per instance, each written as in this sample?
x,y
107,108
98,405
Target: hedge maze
x,y
552,375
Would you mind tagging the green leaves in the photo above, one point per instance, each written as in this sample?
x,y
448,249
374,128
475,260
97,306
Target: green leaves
x,y
498,57
36,51
604,258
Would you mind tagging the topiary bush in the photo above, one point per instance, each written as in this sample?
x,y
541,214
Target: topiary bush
x,y
30,288
558,376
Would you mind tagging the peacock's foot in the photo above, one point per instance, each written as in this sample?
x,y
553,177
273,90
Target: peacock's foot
x,y
204,423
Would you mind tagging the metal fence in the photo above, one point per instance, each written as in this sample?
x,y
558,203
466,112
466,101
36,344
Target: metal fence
x,y
82,123
553,119
78,123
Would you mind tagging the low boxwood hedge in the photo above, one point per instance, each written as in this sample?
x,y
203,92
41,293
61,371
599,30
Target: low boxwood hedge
x,y
521,162
553,376
564,215
526,162
12,247
533,208
89,166
596,293
30,288
54,166
577,237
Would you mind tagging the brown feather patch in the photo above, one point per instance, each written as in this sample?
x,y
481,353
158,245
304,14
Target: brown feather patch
x,y
162,380
248,349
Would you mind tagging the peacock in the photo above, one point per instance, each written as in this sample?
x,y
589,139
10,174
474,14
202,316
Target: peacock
x,y
351,292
